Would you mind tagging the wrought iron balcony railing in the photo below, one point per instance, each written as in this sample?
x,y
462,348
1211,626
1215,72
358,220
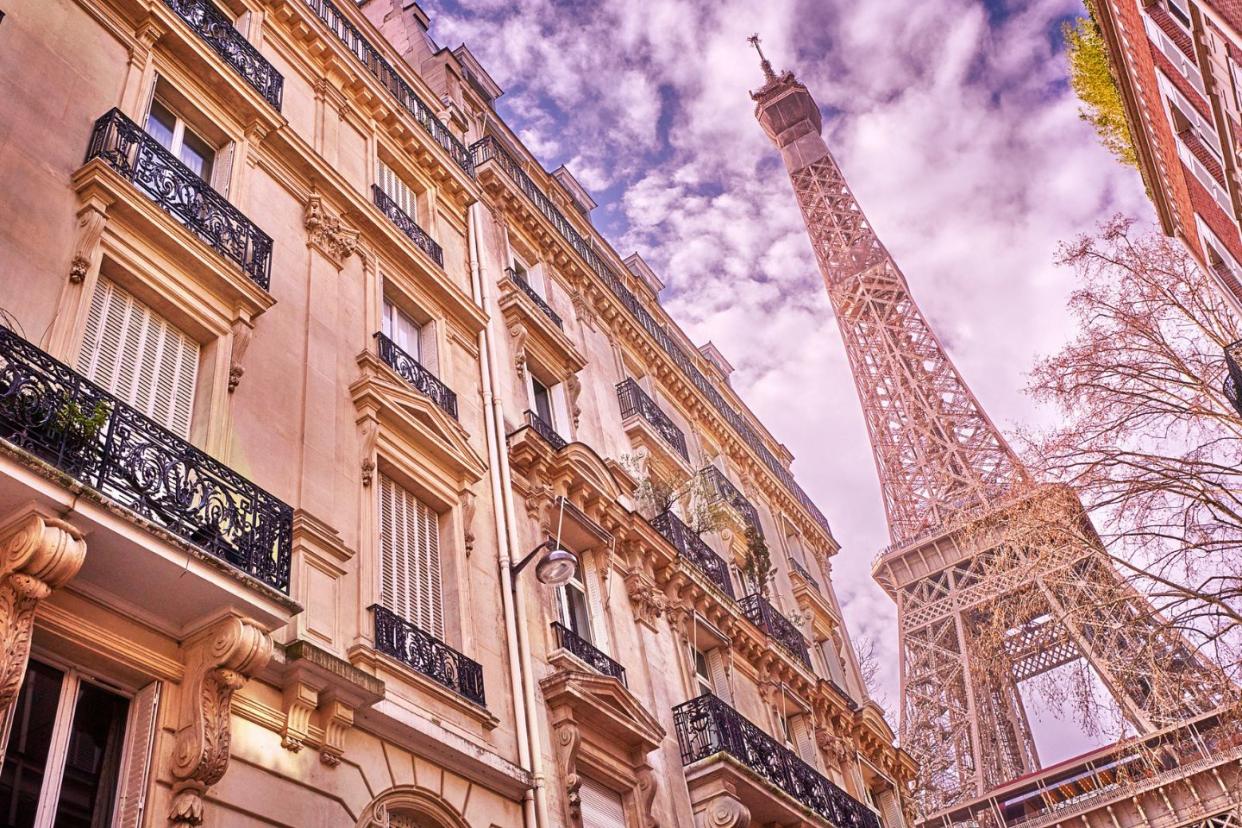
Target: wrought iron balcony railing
x,y
143,161
218,32
539,301
776,626
545,430
635,401
691,547
721,489
707,726
407,225
1233,379
488,149
419,378
803,573
64,419
588,652
416,648
382,70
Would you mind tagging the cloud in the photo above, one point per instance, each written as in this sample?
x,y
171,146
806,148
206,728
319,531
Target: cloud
x,y
955,126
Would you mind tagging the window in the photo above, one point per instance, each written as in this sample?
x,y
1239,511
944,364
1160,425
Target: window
x,y
572,606
401,328
138,355
531,276
410,577
68,761
702,673
396,189
602,807
170,130
541,399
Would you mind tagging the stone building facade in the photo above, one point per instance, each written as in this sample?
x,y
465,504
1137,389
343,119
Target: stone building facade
x,y
303,355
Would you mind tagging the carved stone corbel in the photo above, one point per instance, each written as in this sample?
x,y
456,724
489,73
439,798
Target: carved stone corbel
x,y
337,718
91,221
646,790
583,309
568,738
243,330
370,433
573,388
218,662
649,602
328,233
300,701
724,811
518,334
469,504
40,553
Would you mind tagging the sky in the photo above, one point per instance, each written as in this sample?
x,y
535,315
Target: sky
x,y
956,129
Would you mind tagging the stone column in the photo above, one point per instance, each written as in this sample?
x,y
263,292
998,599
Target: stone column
x,y
39,553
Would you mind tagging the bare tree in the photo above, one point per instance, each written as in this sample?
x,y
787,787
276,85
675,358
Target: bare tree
x,y
867,651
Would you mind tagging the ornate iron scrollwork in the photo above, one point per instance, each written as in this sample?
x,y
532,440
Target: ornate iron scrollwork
x,y
691,547
51,411
416,648
419,378
218,32
545,430
143,161
407,225
588,652
541,303
635,401
776,626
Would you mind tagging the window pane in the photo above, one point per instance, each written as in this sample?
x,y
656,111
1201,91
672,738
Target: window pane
x,y
579,617
29,740
161,123
94,757
543,401
197,155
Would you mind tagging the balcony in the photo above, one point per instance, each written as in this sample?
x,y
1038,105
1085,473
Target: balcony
x,y
708,730
775,626
143,161
545,430
418,377
635,405
803,573
375,64
584,650
50,411
1233,379
489,156
721,490
691,547
423,652
218,32
407,225
539,301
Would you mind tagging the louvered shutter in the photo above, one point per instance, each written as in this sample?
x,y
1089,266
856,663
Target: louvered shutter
x,y
397,190
410,579
590,580
138,355
720,676
601,807
890,809
804,739
139,739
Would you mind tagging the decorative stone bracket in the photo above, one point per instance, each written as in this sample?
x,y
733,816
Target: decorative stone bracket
x,y
218,662
40,553
321,694
327,233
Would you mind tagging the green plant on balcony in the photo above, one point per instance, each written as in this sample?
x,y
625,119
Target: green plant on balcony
x,y
688,497
757,565
77,426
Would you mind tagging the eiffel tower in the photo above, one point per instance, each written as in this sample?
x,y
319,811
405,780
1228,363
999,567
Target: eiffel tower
x,y
944,467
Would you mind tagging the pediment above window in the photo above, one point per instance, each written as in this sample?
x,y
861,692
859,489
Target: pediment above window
x,y
412,425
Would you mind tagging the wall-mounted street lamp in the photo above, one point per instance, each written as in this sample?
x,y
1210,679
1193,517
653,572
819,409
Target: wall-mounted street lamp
x,y
556,566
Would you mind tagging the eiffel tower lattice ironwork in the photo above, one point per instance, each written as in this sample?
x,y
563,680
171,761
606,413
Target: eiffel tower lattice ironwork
x,y
943,464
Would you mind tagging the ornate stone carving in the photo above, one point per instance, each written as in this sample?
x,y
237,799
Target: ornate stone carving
x,y
242,332
338,718
91,221
583,309
837,748
370,433
469,505
646,790
300,701
218,662
573,388
40,553
568,738
78,268
724,812
518,334
649,602
328,233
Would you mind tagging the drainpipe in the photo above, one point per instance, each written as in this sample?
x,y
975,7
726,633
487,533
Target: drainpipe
x,y
534,801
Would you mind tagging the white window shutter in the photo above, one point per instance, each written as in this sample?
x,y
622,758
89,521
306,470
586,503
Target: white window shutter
x,y
135,766
804,739
599,629
720,675
142,358
601,807
890,809
397,190
410,577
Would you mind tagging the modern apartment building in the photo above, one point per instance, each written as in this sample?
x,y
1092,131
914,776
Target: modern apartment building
x,y
348,475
